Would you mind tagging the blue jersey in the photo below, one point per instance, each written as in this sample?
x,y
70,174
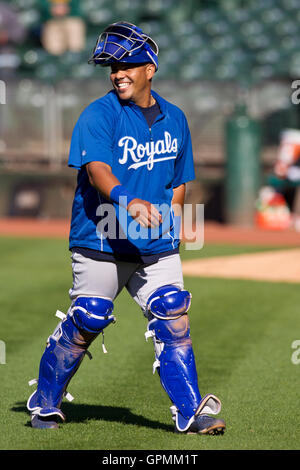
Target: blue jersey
x,y
148,162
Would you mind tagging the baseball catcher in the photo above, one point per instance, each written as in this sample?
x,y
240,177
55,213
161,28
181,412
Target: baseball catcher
x,y
133,153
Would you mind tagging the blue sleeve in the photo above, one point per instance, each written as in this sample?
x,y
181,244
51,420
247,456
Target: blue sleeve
x,y
92,139
184,164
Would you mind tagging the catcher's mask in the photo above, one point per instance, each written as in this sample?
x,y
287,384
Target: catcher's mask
x,y
124,42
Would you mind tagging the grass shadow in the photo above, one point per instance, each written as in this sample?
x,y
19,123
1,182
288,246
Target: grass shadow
x,y
80,413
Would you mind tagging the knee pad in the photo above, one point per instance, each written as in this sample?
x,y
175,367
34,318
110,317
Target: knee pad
x,y
169,301
65,350
175,362
92,314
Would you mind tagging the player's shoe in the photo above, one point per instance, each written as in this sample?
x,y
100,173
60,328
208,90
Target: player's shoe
x,y
201,422
46,418
42,423
205,424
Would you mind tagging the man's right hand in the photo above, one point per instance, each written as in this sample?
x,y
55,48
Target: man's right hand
x,y
102,179
144,213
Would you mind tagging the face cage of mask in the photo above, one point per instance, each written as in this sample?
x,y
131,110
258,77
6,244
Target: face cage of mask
x,y
121,50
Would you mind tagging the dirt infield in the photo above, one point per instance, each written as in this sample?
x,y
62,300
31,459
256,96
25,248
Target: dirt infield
x,y
278,266
14,227
273,266
226,234
213,232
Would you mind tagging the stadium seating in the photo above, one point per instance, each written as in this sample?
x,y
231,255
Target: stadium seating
x,y
232,40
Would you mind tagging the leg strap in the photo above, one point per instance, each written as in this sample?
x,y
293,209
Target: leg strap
x,y
65,350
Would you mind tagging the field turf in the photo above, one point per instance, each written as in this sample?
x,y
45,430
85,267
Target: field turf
x,y
242,334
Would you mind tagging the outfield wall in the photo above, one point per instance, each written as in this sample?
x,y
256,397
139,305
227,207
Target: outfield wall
x,y
36,122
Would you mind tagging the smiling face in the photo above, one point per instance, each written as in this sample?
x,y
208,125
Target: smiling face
x,y
133,82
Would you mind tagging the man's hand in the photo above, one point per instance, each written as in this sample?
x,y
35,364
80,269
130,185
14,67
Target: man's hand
x,y
144,213
102,179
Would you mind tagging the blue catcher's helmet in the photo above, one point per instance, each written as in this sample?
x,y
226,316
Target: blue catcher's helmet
x,y
124,42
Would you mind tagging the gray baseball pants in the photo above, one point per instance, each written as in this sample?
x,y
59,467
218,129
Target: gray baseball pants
x,y
107,279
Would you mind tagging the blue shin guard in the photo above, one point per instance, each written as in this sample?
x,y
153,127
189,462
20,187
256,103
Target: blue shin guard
x,y
65,350
169,329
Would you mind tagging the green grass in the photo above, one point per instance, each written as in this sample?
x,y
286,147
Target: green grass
x,y
242,334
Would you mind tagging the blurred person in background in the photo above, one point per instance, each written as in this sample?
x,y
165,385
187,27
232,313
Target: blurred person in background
x,y
12,33
63,28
